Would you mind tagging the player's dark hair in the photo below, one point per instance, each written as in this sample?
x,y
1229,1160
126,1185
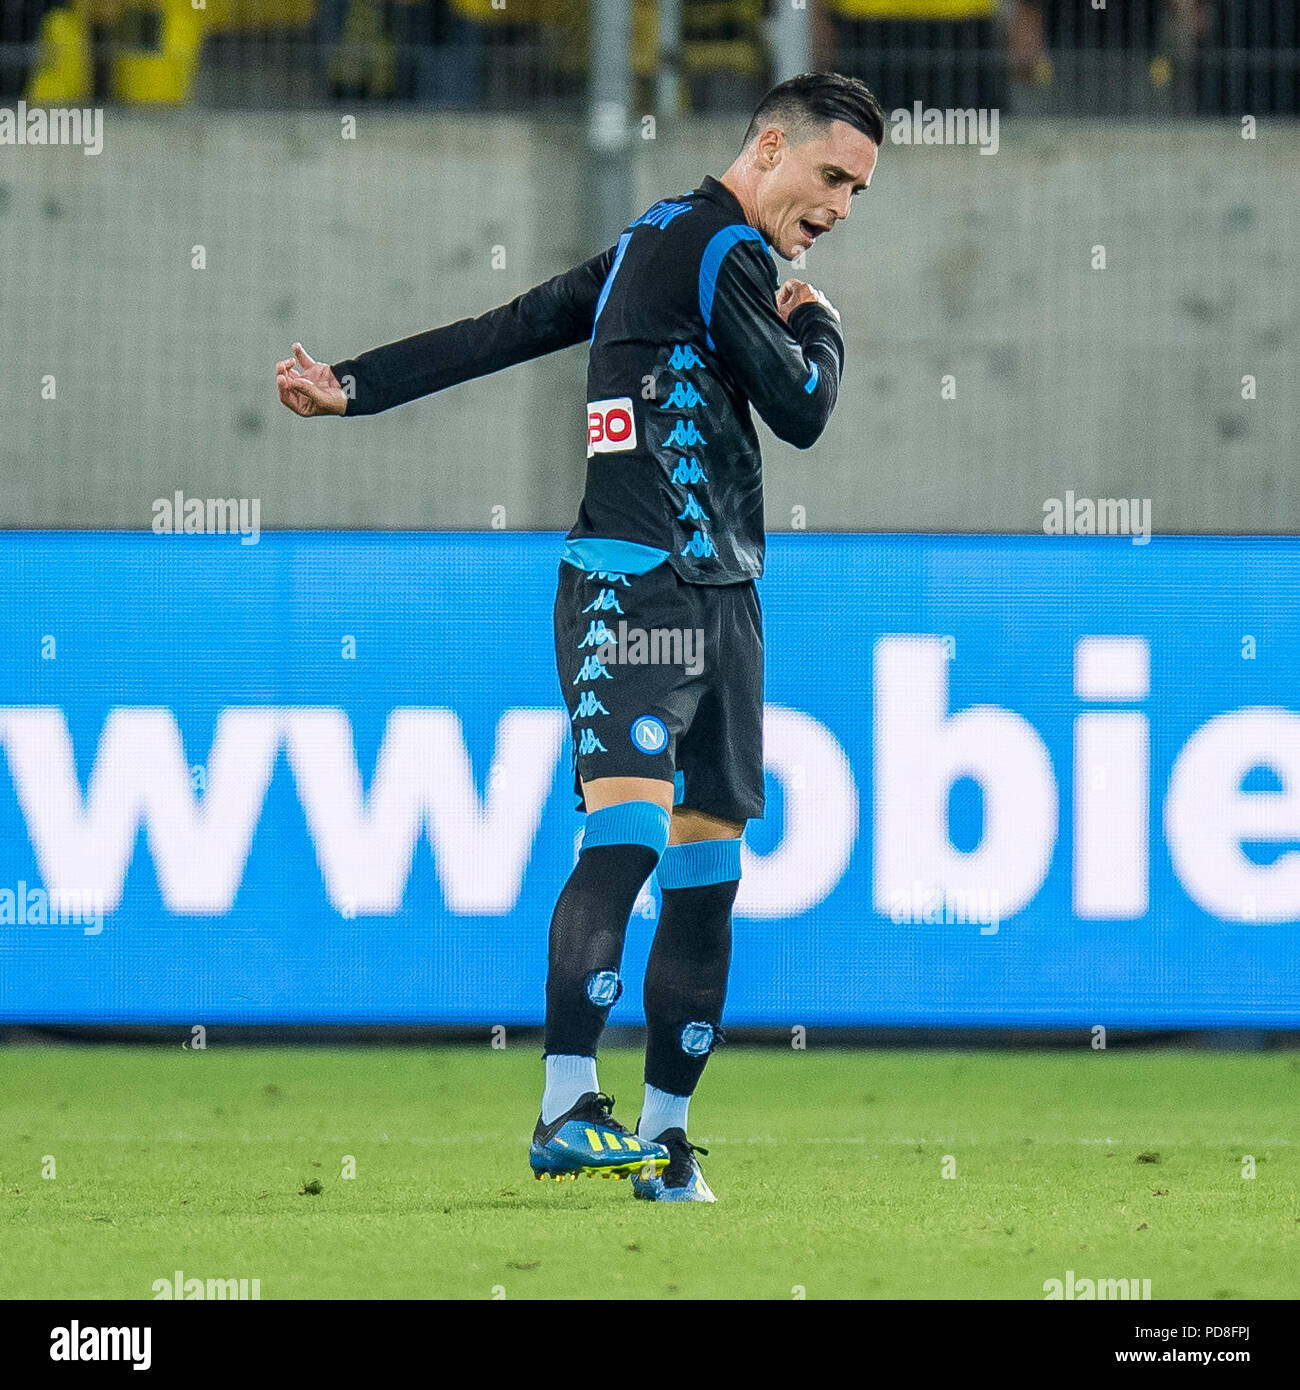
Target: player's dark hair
x,y
814,100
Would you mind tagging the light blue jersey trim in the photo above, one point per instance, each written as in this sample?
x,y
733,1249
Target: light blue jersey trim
x,y
628,823
609,280
711,262
699,864
614,557
811,384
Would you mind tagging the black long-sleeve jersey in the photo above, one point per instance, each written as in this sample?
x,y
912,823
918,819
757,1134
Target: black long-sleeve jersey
x,y
684,336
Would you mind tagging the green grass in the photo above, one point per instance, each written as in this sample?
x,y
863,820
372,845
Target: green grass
x,y
827,1164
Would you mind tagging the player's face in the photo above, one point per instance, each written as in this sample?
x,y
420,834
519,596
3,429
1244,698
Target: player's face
x,y
811,185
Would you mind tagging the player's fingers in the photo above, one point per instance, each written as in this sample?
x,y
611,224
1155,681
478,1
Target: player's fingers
x,y
301,354
310,395
292,395
301,393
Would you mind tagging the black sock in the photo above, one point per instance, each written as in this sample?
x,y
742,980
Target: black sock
x,y
586,946
686,984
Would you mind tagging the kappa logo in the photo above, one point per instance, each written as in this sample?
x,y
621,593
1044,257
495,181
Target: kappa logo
x,y
591,670
683,396
684,435
589,743
611,428
597,635
603,602
684,356
689,471
589,706
699,547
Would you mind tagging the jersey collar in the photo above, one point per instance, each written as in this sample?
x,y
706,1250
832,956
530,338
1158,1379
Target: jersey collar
x,y
718,192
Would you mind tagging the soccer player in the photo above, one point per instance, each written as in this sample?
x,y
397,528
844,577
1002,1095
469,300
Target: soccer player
x,y
687,330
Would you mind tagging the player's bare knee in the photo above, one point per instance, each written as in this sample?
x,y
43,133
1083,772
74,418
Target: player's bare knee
x,y
690,827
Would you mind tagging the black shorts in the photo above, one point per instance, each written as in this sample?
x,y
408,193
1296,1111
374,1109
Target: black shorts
x,y
664,679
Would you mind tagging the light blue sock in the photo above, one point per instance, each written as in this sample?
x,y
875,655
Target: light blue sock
x,y
568,1079
662,1110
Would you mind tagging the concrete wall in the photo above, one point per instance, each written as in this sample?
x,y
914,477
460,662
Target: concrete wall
x,y
1122,382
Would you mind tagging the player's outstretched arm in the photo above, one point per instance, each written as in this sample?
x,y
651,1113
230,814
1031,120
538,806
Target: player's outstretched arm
x,y
786,350
553,315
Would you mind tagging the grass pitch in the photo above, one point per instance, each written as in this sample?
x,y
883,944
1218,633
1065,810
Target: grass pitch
x,y
828,1165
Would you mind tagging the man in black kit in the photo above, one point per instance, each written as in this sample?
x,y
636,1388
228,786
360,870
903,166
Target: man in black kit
x,y
687,330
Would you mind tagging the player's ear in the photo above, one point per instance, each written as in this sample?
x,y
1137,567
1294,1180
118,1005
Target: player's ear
x,y
769,146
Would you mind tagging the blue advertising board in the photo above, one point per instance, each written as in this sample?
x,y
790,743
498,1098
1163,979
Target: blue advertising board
x,y
1012,781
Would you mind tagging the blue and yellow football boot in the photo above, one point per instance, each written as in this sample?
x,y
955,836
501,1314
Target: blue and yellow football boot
x,y
681,1180
588,1139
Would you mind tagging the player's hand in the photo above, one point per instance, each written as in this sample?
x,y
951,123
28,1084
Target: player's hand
x,y
793,293
308,387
